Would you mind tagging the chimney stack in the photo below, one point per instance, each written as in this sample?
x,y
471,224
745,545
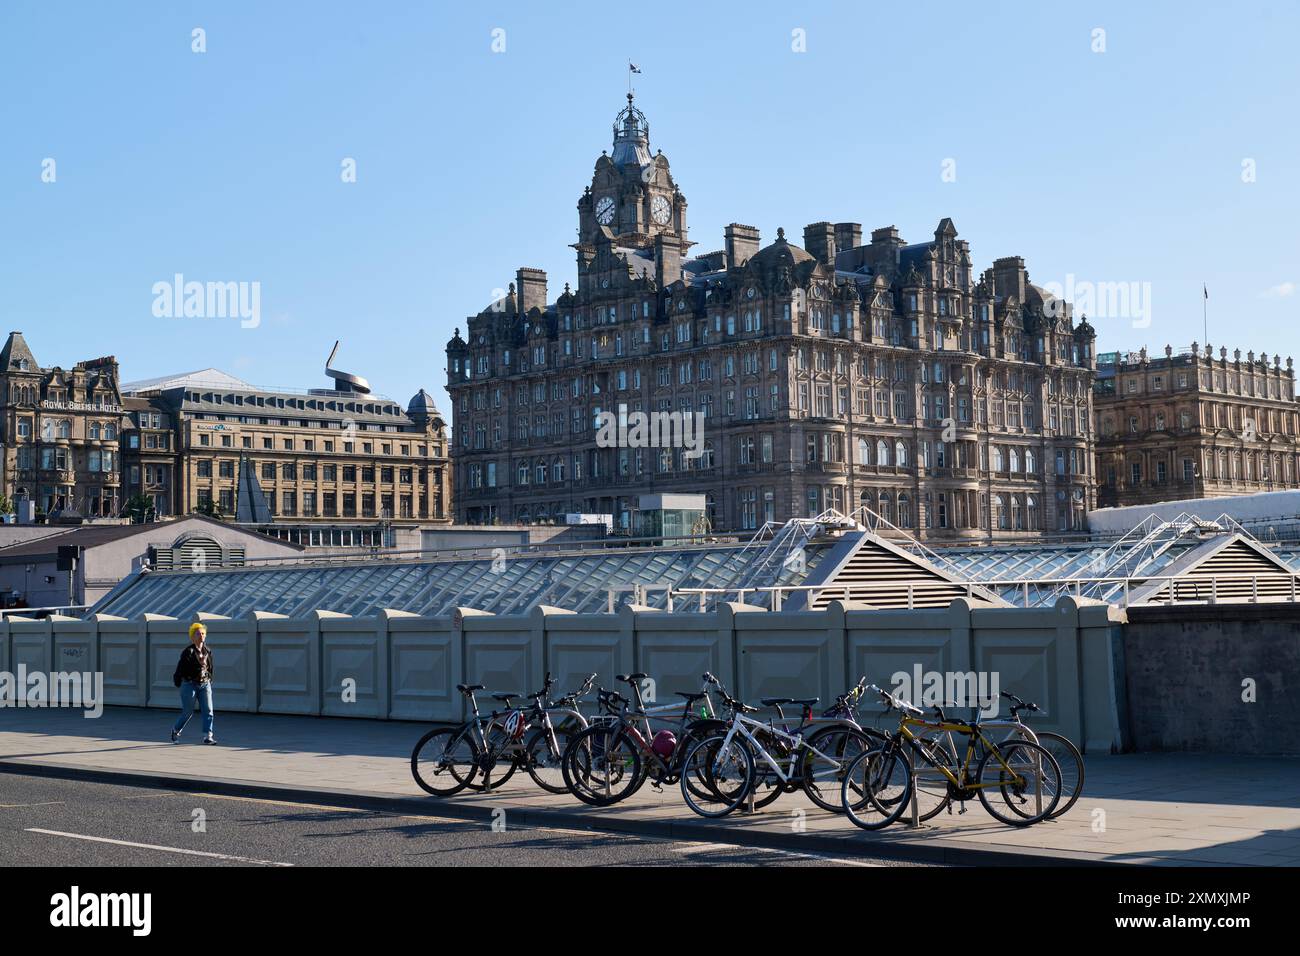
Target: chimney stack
x,y
742,243
819,240
531,284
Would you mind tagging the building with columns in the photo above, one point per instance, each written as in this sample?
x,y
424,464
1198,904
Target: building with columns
x,y
840,373
1192,424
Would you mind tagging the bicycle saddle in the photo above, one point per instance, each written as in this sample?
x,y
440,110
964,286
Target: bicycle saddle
x,y
504,698
630,678
777,701
690,697
468,689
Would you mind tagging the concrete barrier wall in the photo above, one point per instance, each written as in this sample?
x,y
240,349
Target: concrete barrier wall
x,y
405,667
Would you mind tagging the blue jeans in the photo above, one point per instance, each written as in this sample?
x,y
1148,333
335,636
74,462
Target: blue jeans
x,y
190,690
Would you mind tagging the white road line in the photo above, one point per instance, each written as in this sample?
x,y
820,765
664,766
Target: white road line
x,y
151,846
47,803
690,849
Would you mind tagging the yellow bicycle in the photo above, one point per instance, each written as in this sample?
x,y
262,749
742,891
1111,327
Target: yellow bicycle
x,y
1017,781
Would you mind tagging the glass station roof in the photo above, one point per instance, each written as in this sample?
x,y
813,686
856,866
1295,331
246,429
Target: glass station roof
x,y
575,582
580,581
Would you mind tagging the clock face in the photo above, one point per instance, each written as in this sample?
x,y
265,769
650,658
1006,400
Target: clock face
x,y
660,210
605,210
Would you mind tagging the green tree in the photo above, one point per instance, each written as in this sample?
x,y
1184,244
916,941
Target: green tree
x,y
209,509
139,508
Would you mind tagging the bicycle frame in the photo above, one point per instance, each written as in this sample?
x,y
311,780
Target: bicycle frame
x,y
973,734
741,724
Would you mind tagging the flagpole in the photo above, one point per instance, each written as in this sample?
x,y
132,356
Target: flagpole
x,y
1205,311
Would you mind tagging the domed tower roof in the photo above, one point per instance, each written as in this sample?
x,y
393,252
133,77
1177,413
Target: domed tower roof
x,y
631,137
780,253
421,405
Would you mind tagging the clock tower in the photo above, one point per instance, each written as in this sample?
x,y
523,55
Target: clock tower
x,y
632,198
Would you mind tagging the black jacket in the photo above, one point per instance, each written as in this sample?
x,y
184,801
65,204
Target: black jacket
x,y
195,665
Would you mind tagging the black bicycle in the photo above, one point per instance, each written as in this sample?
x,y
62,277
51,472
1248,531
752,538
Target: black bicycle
x,y
484,752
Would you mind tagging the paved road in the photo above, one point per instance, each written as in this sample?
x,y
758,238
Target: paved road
x,y
45,821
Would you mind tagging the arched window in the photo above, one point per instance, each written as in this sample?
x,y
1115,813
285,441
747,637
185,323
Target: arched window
x,y
1029,461
904,510
94,431
900,454
882,452
999,512
1017,516
110,432
1031,512
706,459
65,429
864,452
1015,460
886,506
995,458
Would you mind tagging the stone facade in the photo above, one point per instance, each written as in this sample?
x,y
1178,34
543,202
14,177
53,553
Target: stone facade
x,y
1192,425
839,374
326,459
60,432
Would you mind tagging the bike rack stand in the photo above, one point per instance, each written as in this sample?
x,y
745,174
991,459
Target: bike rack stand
x,y
915,822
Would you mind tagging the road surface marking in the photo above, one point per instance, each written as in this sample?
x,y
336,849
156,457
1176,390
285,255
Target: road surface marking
x,y
151,846
690,849
47,803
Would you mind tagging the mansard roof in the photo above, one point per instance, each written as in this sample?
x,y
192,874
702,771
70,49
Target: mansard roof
x,y
16,356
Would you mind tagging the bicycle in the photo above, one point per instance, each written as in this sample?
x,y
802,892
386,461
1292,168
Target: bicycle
x,y
832,737
727,760
447,760
1068,756
619,752
1024,771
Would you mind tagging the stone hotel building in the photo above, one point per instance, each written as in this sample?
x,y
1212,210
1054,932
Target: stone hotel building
x,y
839,373
59,430
1193,424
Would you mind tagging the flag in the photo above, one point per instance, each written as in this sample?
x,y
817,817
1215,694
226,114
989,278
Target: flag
x,y
1205,290
633,67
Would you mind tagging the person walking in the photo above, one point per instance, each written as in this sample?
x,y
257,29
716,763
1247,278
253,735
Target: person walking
x,y
194,677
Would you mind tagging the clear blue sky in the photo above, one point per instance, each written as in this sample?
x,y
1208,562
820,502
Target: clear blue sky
x,y
1122,166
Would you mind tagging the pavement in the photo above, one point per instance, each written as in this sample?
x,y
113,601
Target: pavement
x,y
1153,809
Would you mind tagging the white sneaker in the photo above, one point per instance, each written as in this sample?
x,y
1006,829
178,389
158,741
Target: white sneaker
x,y
209,739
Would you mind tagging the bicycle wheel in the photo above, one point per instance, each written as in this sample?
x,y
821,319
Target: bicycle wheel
x,y
694,733
1029,783
602,766
443,761
496,766
829,751
768,785
544,764
729,770
1070,760
932,793
883,777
